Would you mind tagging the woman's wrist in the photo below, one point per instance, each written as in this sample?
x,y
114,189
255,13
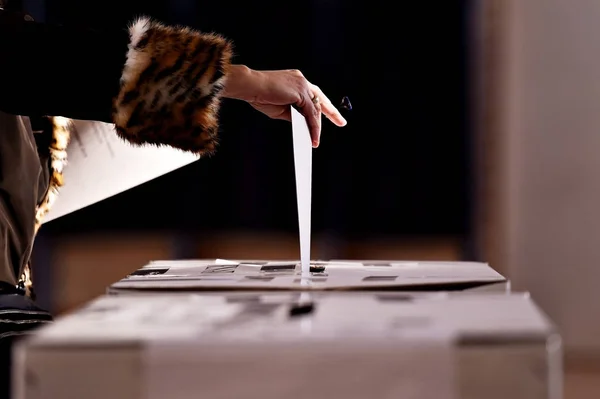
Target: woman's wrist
x,y
241,83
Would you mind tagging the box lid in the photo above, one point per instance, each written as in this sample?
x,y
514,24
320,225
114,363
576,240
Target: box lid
x,y
220,274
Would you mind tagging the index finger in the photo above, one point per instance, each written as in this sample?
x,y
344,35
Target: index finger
x,y
328,109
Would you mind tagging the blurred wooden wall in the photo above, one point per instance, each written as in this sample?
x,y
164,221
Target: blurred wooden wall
x,y
539,137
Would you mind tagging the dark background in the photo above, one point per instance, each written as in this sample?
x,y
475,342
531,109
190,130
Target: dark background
x,y
397,178
400,166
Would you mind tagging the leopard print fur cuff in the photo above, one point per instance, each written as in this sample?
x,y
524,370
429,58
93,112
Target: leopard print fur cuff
x,y
170,87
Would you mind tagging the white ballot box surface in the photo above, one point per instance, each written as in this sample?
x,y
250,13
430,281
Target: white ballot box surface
x,y
294,345
221,274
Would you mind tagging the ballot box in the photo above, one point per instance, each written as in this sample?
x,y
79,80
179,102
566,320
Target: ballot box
x,y
222,274
295,345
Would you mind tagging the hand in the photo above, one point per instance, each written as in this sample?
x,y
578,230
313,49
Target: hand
x,y
272,93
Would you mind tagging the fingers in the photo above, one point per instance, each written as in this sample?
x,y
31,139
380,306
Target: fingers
x,y
328,109
319,103
312,113
312,102
311,110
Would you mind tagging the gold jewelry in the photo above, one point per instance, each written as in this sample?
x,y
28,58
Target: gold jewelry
x,y
315,100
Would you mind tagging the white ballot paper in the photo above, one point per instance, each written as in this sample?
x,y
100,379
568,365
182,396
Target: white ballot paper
x,y
101,165
303,167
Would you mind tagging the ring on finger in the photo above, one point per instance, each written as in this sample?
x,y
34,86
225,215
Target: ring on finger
x,y
316,100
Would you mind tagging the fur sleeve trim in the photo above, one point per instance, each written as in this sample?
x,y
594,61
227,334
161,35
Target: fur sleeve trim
x,y
61,136
170,87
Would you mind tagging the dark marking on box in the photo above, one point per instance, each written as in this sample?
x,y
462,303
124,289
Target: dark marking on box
x,y
150,272
380,278
220,269
395,298
259,278
279,267
317,268
302,309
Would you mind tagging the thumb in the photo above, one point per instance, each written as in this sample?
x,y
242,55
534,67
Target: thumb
x,y
274,111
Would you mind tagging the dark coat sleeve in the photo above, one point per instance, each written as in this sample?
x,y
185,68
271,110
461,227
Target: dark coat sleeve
x,y
60,71
158,84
